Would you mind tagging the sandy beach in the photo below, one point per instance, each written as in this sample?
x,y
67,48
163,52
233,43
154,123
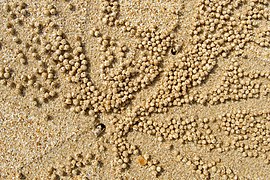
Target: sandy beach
x,y
132,90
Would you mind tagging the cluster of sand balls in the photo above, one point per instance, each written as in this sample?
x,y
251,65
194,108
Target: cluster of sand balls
x,y
22,58
131,75
50,10
193,69
76,166
123,150
154,41
5,73
208,170
193,129
73,63
31,79
236,84
110,10
263,41
153,164
249,132
17,14
7,79
218,33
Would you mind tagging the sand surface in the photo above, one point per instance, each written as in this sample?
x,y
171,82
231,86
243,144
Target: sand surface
x,y
130,89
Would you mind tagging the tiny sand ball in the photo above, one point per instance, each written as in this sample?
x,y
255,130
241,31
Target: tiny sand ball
x,y
141,160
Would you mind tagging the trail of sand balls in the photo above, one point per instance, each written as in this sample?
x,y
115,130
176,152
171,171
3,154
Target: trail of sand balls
x,y
217,33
